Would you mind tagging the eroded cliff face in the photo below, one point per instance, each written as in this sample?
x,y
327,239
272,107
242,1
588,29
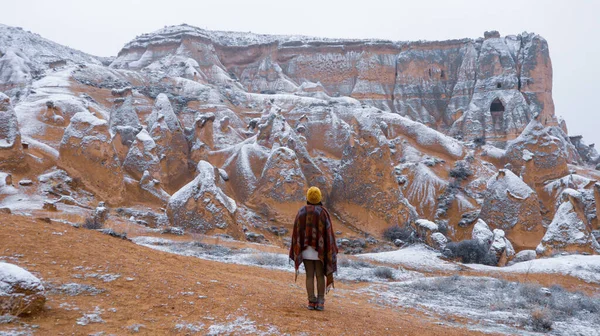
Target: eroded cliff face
x,y
223,132
467,88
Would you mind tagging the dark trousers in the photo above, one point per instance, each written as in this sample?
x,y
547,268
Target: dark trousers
x,y
314,268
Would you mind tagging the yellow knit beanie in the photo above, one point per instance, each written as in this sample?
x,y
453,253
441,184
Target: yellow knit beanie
x,y
313,196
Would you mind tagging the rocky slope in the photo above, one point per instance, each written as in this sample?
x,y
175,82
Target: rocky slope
x,y
223,132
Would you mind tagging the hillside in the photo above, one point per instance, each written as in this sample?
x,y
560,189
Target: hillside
x,y
431,156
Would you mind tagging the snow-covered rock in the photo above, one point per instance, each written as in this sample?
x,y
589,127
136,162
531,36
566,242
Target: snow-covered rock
x,y
201,205
438,240
524,255
546,159
11,153
511,205
172,147
142,156
21,293
569,230
482,232
101,213
281,180
86,153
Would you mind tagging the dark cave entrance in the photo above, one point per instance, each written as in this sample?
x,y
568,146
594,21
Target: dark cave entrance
x,y
497,111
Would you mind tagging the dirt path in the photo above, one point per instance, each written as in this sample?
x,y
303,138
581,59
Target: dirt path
x,y
160,290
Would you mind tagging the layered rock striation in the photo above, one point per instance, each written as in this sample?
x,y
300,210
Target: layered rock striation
x,y
488,87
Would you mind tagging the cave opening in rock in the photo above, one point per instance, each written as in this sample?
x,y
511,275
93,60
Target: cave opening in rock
x,y
497,111
497,106
499,85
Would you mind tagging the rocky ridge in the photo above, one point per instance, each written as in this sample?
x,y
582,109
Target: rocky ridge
x,y
223,132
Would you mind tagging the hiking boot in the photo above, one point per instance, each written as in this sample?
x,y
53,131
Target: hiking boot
x,y
320,306
311,305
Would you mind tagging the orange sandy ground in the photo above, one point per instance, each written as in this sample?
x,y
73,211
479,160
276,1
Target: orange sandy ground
x,y
155,297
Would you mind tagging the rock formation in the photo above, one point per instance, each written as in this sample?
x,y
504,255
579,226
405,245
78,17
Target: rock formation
x,y
173,149
537,155
281,181
514,207
86,153
11,153
570,230
201,205
450,85
461,134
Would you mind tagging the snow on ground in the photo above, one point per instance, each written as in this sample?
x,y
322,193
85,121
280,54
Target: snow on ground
x,y
586,268
349,270
419,257
492,305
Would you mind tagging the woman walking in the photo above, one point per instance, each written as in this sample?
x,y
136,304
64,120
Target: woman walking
x,y
313,243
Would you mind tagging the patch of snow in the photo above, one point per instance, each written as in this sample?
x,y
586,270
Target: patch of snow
x,y
586,268
418,257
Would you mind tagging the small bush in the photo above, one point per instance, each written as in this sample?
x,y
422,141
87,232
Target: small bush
x,y
349,263
540,321
384,273
406,234
268,259
479,141
92,224
461,171
471,252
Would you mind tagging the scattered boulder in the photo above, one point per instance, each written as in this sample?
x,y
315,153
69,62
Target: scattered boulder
x,y
86,153
255,237
482,232
501,245
524,255
278,231
101,213
511,205
25,183
468,218
201,205
5,211
49,205
424,230
174,231
21,293
438,240
152,219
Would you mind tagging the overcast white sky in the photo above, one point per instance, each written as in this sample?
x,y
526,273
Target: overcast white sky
x,y
572,29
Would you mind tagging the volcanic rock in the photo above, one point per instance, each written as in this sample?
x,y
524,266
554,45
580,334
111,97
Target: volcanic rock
x,y
513,206
537,154
201,205
172,146
570,230
86,153
11,153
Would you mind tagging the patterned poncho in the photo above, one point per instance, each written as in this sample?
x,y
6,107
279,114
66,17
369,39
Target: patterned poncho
x,y
312,227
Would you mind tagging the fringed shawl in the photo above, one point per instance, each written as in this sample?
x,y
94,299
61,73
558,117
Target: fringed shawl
x,y
312,227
